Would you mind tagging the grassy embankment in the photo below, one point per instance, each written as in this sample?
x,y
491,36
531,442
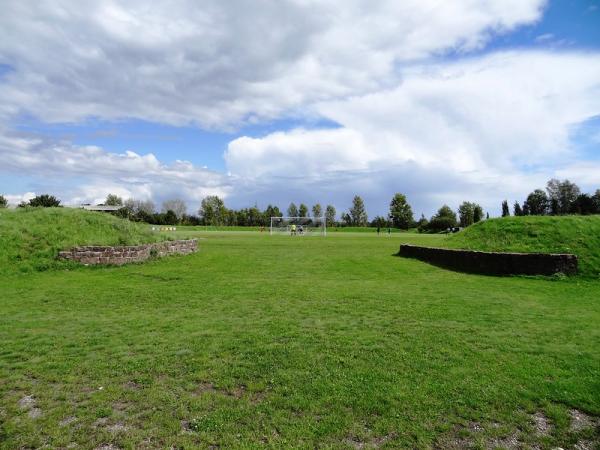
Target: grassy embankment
x,y
579,235
30,238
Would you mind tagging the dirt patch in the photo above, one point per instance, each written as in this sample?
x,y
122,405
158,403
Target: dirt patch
x,y
581,421
117,428
186,427
27,402
132,385
107,447
205,387
34,413
541,424
584,445
509,442
120,406
475,427
375,442
101,422
67,421
454,443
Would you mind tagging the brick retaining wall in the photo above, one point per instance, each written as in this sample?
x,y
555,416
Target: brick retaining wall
x,y
132,253
491,263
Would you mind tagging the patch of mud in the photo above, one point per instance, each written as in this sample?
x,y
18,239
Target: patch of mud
x,y
581,421
541,424
120,406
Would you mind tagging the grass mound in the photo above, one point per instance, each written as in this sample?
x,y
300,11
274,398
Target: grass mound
x,y
579,235
30,238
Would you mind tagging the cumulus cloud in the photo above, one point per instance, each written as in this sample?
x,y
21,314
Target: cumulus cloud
x,y
220,63
495,125
82,174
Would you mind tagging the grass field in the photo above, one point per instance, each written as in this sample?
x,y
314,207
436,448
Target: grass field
x,y
270,342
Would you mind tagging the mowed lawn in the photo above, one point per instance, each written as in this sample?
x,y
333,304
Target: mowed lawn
x,y
260,341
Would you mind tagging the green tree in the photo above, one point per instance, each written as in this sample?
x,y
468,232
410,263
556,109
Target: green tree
x,y
271,211
517,211
3,202
401,212
505,210
212,210
45,201
317,210
466,214
330,215
562,195
358,213
477,213
292,210
444,218
536,203
303,210
113,200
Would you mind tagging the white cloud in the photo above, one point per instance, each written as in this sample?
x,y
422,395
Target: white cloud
x,y
479,121
218,63
82,174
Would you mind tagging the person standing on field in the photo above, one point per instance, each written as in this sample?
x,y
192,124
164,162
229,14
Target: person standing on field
x,y
293,228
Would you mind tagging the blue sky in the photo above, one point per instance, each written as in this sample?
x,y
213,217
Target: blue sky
x,y
492,99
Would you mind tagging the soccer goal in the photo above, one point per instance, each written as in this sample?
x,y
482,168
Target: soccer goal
x,y
298,226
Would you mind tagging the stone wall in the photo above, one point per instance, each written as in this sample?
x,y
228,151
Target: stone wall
x,y
126,254
490,263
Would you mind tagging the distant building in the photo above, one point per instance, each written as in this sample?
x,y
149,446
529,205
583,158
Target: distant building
x,y
105,208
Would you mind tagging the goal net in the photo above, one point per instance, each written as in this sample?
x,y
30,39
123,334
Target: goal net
x,y
298,226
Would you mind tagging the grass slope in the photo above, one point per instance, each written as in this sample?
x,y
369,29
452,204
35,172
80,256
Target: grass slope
x,y
279,342
579,235
30,238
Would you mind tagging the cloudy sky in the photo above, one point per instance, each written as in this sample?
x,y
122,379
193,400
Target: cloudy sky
x,y
299,100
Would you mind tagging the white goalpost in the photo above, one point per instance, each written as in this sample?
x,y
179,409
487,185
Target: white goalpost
x,y
298,226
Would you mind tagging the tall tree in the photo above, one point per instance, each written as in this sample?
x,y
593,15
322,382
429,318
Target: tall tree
x,y
562,195
303,210
517,211
466,214
330,215
113,200
292,210
477,213
401,212
317,210
505,210
176,205
212,210
3,202
536,203
358,213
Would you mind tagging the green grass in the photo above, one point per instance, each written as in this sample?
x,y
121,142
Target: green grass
x,y
579,235
30,238
259,341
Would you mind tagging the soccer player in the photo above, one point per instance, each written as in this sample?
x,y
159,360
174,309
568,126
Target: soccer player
x,y
293,228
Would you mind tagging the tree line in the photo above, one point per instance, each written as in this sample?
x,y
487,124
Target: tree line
x,y
559,198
